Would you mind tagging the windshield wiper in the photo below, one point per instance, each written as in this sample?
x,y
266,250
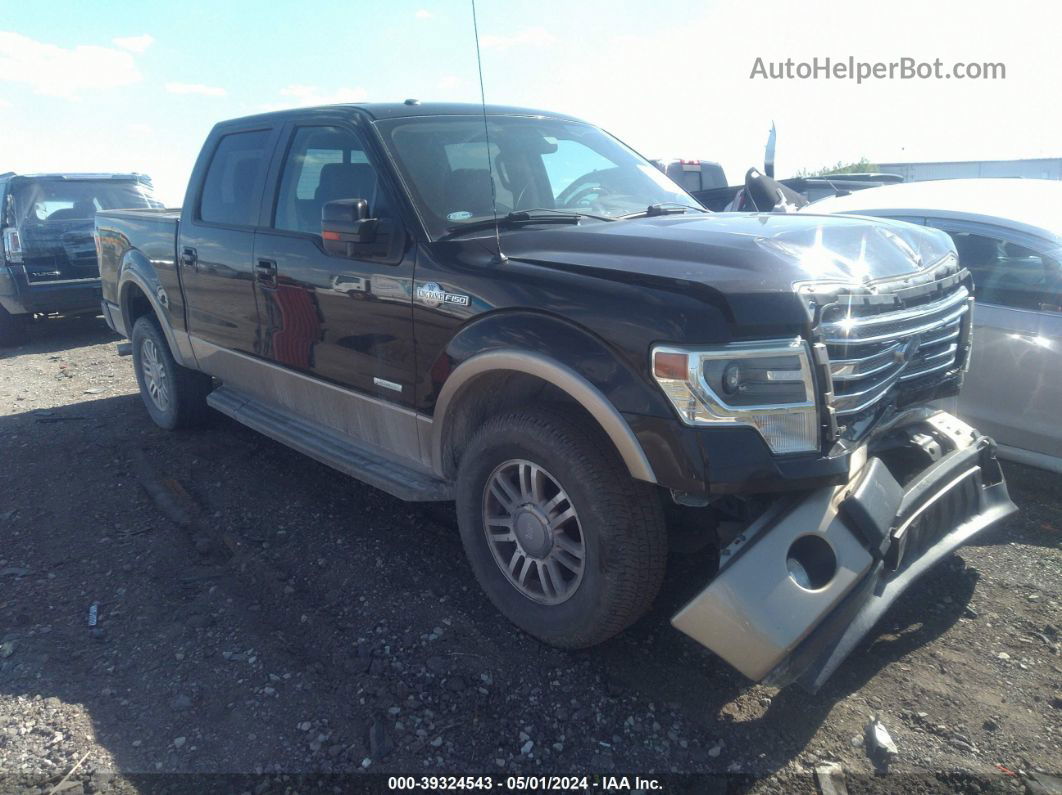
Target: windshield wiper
x,y
541,215
555,211
665,208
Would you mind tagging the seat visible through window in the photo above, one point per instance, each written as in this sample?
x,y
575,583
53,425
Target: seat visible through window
x,y
468,191
346,181
325,164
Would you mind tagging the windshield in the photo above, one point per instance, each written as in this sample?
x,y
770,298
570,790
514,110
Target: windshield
x,y
76,200
535,164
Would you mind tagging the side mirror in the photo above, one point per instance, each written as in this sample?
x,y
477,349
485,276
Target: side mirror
x,y
346,223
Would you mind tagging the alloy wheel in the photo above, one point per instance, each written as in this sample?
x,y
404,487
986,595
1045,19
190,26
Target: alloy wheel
x,y
533,531
156,379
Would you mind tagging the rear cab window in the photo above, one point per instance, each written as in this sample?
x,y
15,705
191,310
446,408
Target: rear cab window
x,y
48,221
44,200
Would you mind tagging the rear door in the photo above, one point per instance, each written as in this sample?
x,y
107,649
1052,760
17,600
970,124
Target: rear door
x,y
1014,386
215,248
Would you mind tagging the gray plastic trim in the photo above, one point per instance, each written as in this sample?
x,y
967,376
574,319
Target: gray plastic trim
x,y
556,373
180,342
360,419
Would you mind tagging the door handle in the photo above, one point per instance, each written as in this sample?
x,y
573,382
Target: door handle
x,y
266,272
189,258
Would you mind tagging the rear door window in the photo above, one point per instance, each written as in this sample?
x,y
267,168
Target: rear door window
x,y
232,190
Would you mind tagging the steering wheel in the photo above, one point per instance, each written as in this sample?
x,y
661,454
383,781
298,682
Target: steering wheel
x,y
579,195
575,191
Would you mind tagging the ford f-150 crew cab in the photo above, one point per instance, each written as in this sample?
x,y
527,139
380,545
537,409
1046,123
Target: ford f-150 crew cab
x,y
513,310
47,258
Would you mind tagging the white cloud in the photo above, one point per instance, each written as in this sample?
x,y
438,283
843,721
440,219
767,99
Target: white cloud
x,y
528,37
4,103
423,13
135,44
61,71
299,95
195,88
449,82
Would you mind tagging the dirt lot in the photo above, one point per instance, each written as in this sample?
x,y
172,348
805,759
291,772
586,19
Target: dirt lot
x,y
260,613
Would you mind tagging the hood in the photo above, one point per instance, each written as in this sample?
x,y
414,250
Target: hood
x,y
737,256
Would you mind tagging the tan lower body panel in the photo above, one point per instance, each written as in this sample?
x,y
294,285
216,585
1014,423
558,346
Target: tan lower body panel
x,y
365,419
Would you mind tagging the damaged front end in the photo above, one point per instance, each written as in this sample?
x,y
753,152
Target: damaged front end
x,y
812,575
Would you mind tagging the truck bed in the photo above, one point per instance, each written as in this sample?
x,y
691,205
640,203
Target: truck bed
x,y
126,236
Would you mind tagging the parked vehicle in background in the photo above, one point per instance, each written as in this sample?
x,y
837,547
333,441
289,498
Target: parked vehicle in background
x,y
47,255
513,310
693,175
819,187
739,198
1008,233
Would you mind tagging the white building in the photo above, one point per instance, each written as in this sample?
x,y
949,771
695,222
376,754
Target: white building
x,y
1033,168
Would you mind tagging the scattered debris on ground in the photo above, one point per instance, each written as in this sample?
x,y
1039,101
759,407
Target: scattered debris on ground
x,y
258,612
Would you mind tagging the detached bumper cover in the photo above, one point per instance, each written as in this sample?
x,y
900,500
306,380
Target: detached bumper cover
x,y
778,625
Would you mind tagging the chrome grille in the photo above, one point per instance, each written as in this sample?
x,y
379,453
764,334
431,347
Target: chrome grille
x,y
873,347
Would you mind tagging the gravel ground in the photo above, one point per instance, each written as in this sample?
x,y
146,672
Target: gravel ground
x,y
260,613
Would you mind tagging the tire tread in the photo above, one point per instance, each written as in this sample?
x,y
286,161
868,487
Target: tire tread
x,y
633,577
190,387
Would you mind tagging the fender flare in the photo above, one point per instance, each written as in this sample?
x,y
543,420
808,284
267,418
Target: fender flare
x,y
560,375
130,275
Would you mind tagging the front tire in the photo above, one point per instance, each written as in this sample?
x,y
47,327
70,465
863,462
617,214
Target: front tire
x,y
174,396
563,541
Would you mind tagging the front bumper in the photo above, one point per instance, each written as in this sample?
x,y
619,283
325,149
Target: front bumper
x,y
810,578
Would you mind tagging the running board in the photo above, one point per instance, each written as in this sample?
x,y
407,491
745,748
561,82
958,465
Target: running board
x,y
329,447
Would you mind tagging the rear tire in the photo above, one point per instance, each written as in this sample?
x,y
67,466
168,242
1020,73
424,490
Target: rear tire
x,y
12,329
174,396
563,541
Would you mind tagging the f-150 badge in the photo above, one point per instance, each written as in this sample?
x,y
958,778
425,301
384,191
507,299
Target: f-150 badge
x,y
431,294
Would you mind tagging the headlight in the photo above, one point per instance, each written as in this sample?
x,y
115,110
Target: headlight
x,y
765,385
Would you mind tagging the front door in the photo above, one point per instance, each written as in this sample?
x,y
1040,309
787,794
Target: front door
x,y
215,250
344,320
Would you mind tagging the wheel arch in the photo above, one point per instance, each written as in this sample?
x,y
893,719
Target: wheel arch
x,y
138,295
487,381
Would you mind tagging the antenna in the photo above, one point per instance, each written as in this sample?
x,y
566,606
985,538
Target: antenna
x,y
768,155
486,135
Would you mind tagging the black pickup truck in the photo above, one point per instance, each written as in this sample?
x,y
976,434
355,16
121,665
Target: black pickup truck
x,y
513,310
47,256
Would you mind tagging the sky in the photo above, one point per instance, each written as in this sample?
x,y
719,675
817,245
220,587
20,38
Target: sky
x,y
135,86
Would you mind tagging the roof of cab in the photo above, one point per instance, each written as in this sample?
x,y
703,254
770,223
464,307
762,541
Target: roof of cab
x,y
378,111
